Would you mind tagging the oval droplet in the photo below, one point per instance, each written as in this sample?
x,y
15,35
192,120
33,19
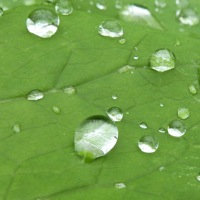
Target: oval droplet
x,y
111,28
122,41
35,95
183,113
16,128
56,109
192,88
100,4
64,7
115,114
162,130
176,128
70,90
148,144
143,125
42,22
120,185
162,60
114,97
95,137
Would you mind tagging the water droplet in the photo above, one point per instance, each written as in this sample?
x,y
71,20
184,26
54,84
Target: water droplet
x,y
95,137
198,177
64,7
192,89
56,109
162,130
161,168
70,90
125,69
162,60
1,11
161,105
118,4
122,41
111,28
120,185
100,4
114,97
143,125
35,95
183,113
115,114
16,128
135,57
91,3
140,14
188,16
148,144
160,3
176,128
42,22
177,43
182,3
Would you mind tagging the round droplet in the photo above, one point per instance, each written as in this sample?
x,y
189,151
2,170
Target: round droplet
x,y
120,185
135,57
160,3
100,4
115,114
122,41
192,88
162,130
35,95
56,109
198,177
148,144
143,125
64,7
1,11
43,23
111,28
176,128
16,128
114,97
95,137
162,60
161,105
70,90
188,16
183,113
161,168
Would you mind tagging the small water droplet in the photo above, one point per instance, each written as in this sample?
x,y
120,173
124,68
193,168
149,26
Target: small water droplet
x,y
111,28
162,130
64,7
1,11
56,109
183,113
114,97
192,89
125,69
148,144
122,41
42,22
95,137
100,4
143,125
16,128
160,3
70,90
120,185
161,168
176,128
135,57
115,114
35,95
198,177
162,60
161,105
91,3
182,3
188,16
118,4
177,43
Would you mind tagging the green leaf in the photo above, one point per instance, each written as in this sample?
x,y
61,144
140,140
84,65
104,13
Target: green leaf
x,y
39,162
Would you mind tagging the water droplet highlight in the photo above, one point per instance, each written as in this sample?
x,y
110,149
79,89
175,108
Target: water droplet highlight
x,y
56,109
16,128
160,3
135,57
35,95
183,113
182,3
148,144
162,60
43,23
70,90
115,114
64,7
176,128
126,68
162,130
192,88
100,4
95,137
1,11
143,125
114,97
198,178
111,28
122,41
120,185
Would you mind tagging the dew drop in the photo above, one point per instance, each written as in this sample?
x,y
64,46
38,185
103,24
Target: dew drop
x,y
16,128
161,168
56,109
162,130
198,178
161,105
126,68
114,97
192,88
176,128
143,125
95,137
120,185
110,28
183,113
1,11
160,3
35,95
100,4
135,57
64,7
122,41
70,90
162,60
148,144
115,114
188,16
42,22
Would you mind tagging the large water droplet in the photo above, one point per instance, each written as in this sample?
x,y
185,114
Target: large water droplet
x,y
115,114
70,90
188,16
148,144
1,11
111,28
95,137
100,4
120,185
64,7
160,3
183,113
192,88
56,109
16,128
176,128
42,22
143,125
162,60
140,14
35,95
